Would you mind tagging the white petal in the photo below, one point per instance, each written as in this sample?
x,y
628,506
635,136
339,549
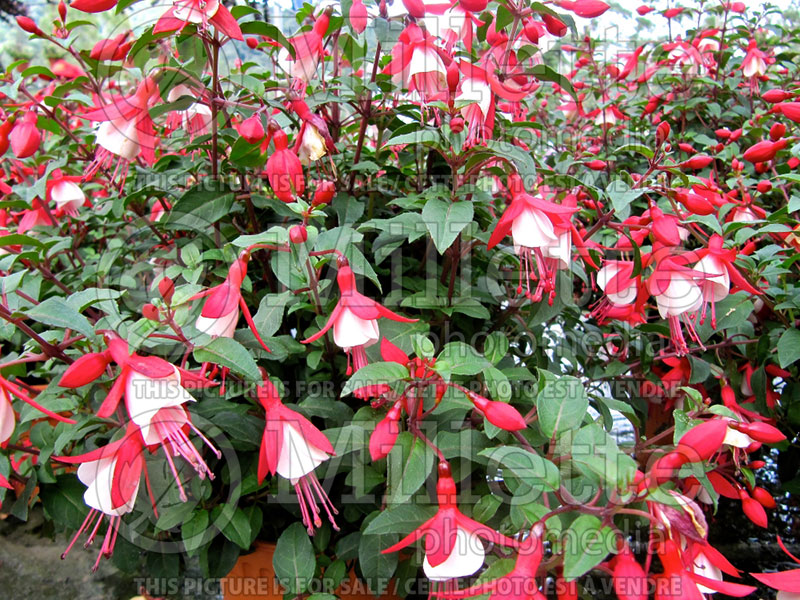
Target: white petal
x,y
119,137
719,283
144,396
784,595
533,229
175,415
297,456
97,476
477,91
561,251
426,61
702,566
681,296
7,418
312,146
67,193
223,326
350,330
737,439
467,557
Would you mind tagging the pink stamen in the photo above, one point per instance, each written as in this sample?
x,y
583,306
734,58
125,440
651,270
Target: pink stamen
x,y
86,522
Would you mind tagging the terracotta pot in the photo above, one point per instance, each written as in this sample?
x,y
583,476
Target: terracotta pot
x,y
253,578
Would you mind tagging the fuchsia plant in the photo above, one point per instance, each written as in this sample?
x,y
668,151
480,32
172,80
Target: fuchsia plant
x,y
400,196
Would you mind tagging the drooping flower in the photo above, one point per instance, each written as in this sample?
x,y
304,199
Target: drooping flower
x,y
313,140
111,474
220,312
475,99
292,447
65,192
754,63
452,540
308,50
125,131
201,13
354,319
417,64
284,170
539,229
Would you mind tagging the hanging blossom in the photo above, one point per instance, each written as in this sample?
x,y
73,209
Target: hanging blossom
x,y
452,540
308,51
154,395
354,319
220,312
65,192
201,13
543,236
111,474
475,99
292,447
9,390
417,63
125,131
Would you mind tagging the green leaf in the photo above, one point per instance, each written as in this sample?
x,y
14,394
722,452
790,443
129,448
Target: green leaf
x,y
586,543
788,347
193,531
546,73
458,358
445,220
408,465
63,501
401,518
595,453
495,347
530,468
269,317
200,207
561,405
268,30
227,352
237,529
56,312
294,559
375,374
522,160
377,567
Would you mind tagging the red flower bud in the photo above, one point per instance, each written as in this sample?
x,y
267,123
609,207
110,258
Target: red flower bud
x,y
671,13
791,110
150,312
284,171
166,287
25,137
93,6
324,193
251,129
474,5
793,162
762,432
761,152
764,186
763,497
84,370
644,9
662,133
62,11
453,77
358,16
597,165
111,49
701,161
588,9
777,131
775,96
499,414
29,25
554,26
532,31
457,124
385,433
753,509
415,8
5,129
252,43
298,234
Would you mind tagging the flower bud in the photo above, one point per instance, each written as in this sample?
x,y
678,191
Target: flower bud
x,y
702,441
358,16
764,186
252,43
662,133
324,193
457,124
166,287
777,131
597,164
554,25
84,370
763,497
475,6
762,432
251,129
62,11
298,234
29,25
775,96
753,509
149,311
761,152
25,137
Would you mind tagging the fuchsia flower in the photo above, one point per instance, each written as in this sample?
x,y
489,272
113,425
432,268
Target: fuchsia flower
x,y
125,131
354,319
754,63
292,447
476,101
452,540
154,396
786,582
7,417
417,63
520,582
308,51
64,191
621,288
678,294
202,13
194,119
221,309
542,234
111,474
313,140
717,264
630,580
